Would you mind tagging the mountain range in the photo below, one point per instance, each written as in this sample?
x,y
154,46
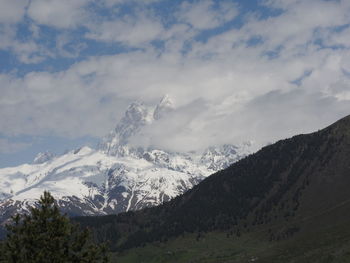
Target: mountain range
x,y
116,176
289,202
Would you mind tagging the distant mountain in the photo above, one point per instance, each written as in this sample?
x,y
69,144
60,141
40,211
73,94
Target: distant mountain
x,y
43,157
295,188
116,177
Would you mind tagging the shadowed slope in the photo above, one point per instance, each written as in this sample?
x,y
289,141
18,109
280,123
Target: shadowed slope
x,y
281,189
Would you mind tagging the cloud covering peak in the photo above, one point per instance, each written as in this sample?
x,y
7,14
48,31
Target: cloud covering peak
x,y
237,71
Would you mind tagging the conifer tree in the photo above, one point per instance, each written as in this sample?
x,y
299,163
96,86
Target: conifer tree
x,y
45,235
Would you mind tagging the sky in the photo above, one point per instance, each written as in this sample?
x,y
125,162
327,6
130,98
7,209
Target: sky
x,y
236,70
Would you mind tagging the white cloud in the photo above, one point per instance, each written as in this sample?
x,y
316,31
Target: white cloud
x,y
218,101
60,104
12,12
337,39
26,51
53,13
203,14
67,47
111,3
58,13
298,26
132,31
225,89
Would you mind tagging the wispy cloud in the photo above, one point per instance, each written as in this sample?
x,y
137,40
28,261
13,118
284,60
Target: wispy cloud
x,y
128,30
13,11
59,13
206,14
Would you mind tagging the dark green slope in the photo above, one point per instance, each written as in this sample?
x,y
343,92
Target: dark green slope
x,y
285,191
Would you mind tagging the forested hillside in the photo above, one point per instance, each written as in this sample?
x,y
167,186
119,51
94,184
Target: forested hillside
x,y
278,191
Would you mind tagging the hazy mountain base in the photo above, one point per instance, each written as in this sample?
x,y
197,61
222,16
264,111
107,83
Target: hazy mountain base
x,y
322,240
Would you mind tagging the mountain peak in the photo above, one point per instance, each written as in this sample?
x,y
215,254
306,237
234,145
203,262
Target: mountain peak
x,y
136,112
136,116
43,157
164,106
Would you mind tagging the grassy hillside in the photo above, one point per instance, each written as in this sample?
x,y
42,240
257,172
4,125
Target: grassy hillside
x,y
328,246
325,242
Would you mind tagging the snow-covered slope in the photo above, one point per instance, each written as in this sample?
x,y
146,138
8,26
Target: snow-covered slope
x,y
116,177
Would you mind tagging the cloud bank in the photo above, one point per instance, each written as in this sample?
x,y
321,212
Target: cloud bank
x,y
235,74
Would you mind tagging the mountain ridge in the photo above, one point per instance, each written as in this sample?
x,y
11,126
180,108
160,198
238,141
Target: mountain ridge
x,y
117,176
278,187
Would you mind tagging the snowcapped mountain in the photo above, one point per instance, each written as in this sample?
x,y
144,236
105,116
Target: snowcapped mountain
x,y
115,177
43,157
